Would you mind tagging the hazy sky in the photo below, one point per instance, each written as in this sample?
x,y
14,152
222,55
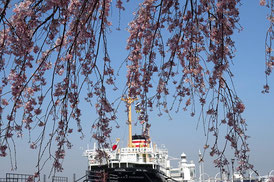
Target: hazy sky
x,y
180,134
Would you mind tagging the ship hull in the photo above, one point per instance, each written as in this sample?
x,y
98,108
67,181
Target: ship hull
x,y
103,174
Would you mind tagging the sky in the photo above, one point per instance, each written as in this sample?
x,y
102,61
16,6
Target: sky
x,y
181,133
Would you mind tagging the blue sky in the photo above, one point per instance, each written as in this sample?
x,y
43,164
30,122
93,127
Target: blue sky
x,y
180,134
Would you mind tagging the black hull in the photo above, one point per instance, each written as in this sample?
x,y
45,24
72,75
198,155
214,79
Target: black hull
x,y
103,174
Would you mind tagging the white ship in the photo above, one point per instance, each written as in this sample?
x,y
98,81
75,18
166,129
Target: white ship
x,y
140,161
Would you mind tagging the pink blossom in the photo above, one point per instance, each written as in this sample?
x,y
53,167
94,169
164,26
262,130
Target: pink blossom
x,y
37,111
240,107
36,49
33,146
262,2
60,72
3,149
5,102
41,124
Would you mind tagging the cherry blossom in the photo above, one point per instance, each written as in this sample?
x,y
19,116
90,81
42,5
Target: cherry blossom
x,y
53,39
269,58
174,41
53,52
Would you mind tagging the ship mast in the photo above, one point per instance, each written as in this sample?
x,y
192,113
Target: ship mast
x,y
129,101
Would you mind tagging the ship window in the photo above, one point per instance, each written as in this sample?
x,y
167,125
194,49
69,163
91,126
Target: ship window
x,y
174,171
115,165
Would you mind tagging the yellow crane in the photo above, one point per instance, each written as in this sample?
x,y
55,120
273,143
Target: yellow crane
x,y
129,101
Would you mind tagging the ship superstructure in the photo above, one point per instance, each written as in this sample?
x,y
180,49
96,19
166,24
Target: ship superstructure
x,y
185,171
141,160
